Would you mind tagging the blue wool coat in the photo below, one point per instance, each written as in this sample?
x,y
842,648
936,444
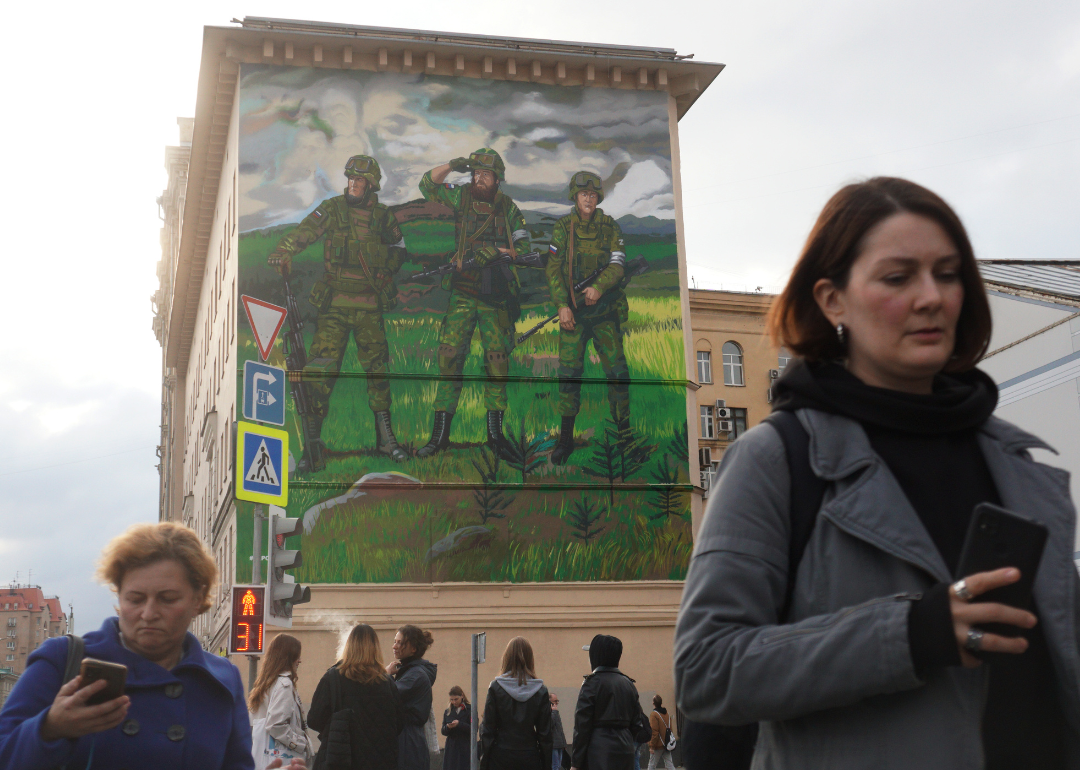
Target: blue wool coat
x,y
190,718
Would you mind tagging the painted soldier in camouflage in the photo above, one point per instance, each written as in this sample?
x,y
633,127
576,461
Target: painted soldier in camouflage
x,y
487,224
362,249
586,240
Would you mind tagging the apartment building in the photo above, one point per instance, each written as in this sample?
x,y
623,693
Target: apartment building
x,y
27,618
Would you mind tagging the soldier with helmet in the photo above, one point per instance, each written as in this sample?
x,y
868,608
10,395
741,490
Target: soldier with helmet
x,y
487,224
584,241
363,249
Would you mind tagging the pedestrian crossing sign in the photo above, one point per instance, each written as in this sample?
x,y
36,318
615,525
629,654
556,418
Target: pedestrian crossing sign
x,y
262,464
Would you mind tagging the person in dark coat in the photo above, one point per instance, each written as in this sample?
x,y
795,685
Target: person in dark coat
x,y
516,733
358,683
560,750
457,727
607,711
414,677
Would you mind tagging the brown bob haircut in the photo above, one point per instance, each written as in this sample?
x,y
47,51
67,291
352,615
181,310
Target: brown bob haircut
x,y
795,320
145,544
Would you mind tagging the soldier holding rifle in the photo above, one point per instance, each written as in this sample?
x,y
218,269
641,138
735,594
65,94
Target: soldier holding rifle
x,y
584,241
363,249
484,294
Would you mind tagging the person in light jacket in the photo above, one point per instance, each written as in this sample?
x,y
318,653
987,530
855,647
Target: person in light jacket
x,y
457,727
660,722
277,715
414,677
516,731
875,655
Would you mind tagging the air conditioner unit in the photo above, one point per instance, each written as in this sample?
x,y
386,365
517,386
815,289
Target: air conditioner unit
x,y
723,413
705,456
774,374
725,426
720,403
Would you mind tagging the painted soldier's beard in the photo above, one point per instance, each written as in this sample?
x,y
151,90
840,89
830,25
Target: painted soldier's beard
x,y
355,200
484,192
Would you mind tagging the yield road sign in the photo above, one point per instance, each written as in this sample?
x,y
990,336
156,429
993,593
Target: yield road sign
x,y
264,393
265,320
262,460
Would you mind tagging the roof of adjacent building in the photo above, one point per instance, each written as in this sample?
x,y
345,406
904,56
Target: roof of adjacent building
x,y
1052,278
25,596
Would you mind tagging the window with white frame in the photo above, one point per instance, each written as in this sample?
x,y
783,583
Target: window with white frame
x,y
733,365
11,645
704,366
783,359
708,426
10,657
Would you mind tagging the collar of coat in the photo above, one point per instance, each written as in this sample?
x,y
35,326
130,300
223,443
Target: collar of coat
x,y
607,670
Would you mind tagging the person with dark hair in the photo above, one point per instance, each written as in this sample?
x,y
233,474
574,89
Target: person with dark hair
x,y
516,731
277,714
844,629
660,722
607,712
414,677
356,708
560,749
457,727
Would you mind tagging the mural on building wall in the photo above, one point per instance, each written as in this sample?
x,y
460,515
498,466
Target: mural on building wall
x,y
484,337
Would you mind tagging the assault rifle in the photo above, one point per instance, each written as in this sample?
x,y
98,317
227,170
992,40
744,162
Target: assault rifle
x,y
292,343
635,267
532,259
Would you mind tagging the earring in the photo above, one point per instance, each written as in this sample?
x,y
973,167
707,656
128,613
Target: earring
x,y
841,333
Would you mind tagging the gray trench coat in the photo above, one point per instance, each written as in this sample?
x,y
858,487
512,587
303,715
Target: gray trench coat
x,y
833,685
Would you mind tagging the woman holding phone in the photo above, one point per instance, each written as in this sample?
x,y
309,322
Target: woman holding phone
x,y
871,653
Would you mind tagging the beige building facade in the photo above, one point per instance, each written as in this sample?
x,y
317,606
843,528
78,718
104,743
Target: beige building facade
x,y
27,618
195,322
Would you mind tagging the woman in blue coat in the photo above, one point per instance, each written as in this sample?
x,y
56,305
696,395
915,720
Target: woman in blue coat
x,y
183,709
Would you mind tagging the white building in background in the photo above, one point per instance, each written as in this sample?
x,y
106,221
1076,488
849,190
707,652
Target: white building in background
x,y
1034,353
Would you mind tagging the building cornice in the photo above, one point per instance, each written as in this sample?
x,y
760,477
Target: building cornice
x,y
704,300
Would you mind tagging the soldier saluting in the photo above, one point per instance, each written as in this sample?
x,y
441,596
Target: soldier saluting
x,y
487,225
584,241
363,248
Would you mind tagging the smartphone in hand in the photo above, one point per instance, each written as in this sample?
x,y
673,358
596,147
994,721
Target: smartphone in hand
x,y
997,538
113,673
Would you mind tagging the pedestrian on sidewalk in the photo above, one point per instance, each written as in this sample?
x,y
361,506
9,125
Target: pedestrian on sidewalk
x,y
559,747
516,732
356,708
278,729
660,722
848,634
608,712
457,727
414,677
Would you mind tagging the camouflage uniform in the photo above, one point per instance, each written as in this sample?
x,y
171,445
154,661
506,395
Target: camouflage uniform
x,y
363,248
578,248
485,298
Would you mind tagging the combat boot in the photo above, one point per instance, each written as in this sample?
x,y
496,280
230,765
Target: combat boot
x,y
314,457
495,438
440,435
565,447
385,441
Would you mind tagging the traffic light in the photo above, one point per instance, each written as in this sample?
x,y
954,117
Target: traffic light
x,y
246,620
282,590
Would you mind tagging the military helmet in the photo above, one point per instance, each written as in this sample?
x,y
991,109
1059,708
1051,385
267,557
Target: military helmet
x,y
586,180
486,159
367,167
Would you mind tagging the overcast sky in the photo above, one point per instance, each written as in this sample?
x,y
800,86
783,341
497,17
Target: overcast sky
x,y
980,101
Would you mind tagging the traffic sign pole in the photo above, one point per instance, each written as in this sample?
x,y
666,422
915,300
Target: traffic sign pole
x,y
479,654
256,577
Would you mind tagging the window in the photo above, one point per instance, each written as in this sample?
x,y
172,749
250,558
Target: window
x,y
738,422
733,367
704,366
12,632
12,621
10,657
708,468
783,359
708,429
11,645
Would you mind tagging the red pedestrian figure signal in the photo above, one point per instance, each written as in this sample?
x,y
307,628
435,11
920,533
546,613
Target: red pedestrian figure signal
x,y
246,623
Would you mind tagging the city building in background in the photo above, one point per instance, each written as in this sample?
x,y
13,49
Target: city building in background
x,y
27,618
419,457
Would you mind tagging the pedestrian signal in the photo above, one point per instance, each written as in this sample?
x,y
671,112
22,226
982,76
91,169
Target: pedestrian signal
x,y
247,620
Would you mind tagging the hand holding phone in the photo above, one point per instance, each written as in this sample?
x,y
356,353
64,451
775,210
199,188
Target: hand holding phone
x,y
70,716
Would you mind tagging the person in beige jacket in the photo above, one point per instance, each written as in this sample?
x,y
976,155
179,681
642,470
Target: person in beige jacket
x,y
278,730
660,721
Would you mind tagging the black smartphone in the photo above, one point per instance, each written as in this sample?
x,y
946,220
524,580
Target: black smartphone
x,y
997,538
115,674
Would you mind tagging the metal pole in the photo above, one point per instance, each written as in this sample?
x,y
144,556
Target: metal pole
x,y
256,578
474,760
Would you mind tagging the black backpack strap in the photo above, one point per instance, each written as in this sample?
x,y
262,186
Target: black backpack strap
x,y
76,650
807,492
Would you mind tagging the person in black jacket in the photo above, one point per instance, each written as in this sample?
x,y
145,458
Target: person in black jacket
x,y
608,711
414,677
457,727
516,732
356,709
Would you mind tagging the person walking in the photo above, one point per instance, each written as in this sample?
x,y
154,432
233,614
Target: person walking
x,y
457,727
414,677
516,732
356,708
183,708
608,711
559,747
278,729
660,722
854,642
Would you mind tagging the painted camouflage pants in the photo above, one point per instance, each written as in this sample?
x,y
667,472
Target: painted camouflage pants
x,y
463,315
606,335
328,349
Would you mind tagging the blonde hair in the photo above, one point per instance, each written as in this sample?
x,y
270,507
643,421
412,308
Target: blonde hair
x,y
362,659
281,658
517,660
145,544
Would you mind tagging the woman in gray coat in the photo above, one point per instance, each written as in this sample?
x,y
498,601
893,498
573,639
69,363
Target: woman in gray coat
x,y
872,654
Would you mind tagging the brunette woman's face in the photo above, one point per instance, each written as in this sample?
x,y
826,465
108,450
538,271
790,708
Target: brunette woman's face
x,y
402,649
901,304
455,701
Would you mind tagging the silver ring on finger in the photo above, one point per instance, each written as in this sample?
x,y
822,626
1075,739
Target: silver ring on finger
x,y
960,588
974,640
